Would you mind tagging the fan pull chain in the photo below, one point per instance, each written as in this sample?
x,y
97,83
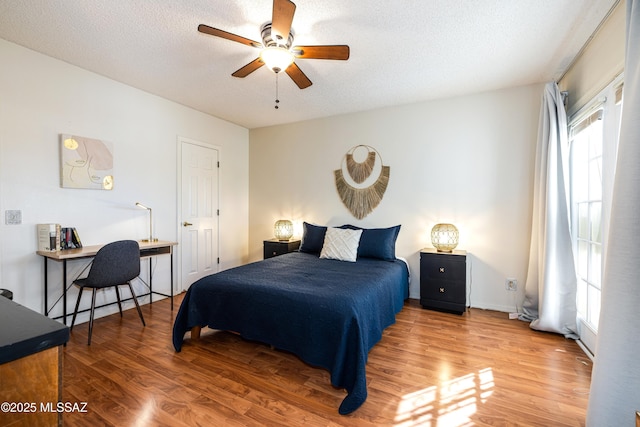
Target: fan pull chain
x,y
277,100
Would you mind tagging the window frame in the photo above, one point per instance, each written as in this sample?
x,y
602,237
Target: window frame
x,y
606,107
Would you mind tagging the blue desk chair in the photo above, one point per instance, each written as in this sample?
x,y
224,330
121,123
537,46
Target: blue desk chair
x,y
115,264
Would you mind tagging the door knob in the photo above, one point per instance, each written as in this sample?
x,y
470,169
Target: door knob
x,y
186,224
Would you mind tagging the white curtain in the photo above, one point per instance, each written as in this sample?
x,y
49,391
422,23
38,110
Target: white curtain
x,y
615,380
550,289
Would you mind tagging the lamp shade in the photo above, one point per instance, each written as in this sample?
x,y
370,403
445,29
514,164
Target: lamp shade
x,y
444,237
283,229
276,58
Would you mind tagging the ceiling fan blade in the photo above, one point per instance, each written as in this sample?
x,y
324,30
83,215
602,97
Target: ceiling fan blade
x,y
249,68
340,52
281,19
298,77
229,36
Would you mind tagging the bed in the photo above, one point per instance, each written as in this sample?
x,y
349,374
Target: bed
x,y
328,312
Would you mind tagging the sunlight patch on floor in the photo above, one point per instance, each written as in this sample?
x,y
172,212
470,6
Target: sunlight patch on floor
x,y
451,404
145,416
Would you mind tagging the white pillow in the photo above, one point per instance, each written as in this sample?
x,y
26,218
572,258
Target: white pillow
x,y
341,244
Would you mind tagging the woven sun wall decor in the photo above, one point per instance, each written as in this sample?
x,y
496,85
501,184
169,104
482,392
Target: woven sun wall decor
x,y
369,177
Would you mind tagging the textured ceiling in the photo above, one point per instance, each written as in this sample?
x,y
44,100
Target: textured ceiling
x,y
401,51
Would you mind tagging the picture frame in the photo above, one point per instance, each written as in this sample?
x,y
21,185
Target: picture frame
x,y
85,163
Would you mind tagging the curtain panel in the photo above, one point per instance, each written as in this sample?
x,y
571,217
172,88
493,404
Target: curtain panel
x,y
615,380
550,289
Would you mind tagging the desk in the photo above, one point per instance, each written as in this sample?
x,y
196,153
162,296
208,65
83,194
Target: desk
x,y
147,249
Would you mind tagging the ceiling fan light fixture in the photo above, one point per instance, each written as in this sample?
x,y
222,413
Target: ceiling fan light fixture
x,y
276,58
278,52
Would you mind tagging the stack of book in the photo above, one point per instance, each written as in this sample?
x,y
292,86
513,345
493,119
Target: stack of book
x,y
53,237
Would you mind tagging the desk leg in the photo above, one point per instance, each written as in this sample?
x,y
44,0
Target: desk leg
x,y
64,291
46,288
171,260
150,283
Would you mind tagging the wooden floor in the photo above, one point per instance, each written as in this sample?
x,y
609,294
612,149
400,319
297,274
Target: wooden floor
x,y
429,369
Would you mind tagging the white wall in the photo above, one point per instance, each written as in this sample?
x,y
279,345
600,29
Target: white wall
x,y
40,98
466,160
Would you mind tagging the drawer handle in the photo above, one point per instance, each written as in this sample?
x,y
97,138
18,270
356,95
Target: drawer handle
x,y
441,269
442,290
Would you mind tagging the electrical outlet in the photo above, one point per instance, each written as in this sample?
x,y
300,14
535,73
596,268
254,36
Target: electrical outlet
x,y
511,284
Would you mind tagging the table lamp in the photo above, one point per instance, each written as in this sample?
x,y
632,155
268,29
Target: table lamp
x,y
444,237
150,239
283,229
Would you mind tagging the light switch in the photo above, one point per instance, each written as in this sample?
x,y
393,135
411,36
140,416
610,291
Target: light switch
x,y
13,217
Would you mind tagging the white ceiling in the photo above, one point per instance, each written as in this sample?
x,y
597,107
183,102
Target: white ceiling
x,y
401,51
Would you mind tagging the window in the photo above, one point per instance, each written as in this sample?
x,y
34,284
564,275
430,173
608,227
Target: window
x,y
586,192
593,139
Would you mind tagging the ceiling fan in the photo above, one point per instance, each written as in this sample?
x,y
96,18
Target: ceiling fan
x,y
276,47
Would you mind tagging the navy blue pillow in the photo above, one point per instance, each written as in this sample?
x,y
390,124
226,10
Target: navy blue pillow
x,y
312,238
377,242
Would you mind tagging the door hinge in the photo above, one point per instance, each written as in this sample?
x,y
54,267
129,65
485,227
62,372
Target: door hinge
x,y
218,163
218,260
218,212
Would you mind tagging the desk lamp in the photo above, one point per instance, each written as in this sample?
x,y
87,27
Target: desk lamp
x,y
150,239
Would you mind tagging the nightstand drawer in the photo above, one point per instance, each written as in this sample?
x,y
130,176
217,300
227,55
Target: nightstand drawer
x,y
445,290
443,267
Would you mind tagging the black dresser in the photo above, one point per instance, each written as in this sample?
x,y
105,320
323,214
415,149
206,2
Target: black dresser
x,y
443,280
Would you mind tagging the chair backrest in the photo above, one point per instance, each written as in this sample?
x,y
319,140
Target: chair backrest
x,y
115,263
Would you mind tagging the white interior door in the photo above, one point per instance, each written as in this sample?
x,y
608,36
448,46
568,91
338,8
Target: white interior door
x,y
199,211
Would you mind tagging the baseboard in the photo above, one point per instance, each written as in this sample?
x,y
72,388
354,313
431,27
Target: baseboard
x,y
586,350
494,307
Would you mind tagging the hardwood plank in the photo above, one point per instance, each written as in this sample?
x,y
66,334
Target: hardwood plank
x,y
430,368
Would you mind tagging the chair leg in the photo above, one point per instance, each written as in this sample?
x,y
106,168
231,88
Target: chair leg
x,y
119,303
75,312
137,305
93,306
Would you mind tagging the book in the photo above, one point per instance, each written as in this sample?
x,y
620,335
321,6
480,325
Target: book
x,y
76,238
70,239
49,236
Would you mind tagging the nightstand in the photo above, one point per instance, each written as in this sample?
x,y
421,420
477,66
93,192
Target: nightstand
x,y
275,247
443,280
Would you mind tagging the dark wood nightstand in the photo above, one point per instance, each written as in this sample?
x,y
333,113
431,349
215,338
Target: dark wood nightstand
x,y
443,280
275,247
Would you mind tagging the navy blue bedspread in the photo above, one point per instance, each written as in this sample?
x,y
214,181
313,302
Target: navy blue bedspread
x,y
330,313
